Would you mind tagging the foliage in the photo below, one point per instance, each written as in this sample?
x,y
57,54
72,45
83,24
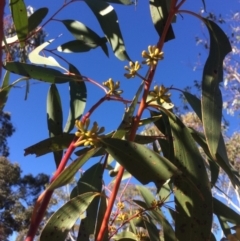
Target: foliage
x,y
17,197
172,160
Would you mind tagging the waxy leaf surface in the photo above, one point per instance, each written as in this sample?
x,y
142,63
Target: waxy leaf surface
x,y
20,19
78,97
36,18
56,143
108,21
212,76
61,222
38,72
54,117
143,163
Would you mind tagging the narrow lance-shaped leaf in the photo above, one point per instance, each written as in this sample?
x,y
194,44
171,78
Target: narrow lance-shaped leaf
x,y
52,144
125,235
101,212
193,198
38,72
221,157
159,14
212,76
76,46
4,90
143,163
108,21
61,222
78,96
124,2
20,19
54,118
36,18
148,197
93,177
36,58
87,38
69,172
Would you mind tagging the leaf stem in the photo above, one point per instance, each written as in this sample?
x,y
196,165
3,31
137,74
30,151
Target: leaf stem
x,y
35,222
142,106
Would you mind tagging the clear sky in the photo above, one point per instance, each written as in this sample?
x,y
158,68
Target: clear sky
x,y
29,117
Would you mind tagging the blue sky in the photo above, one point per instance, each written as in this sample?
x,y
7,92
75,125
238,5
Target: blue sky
x,y
29,117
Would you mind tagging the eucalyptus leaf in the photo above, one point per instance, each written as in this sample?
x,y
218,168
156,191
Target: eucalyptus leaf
x,y
4,91
143,163
125,235
78,96
36,58
93,177
212,76
193,196
124,2
87,38
108,21
54,118
69,172
52,144
61,222
38,72
20,19
36,18
159,13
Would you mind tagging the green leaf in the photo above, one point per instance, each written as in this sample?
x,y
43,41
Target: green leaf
x,y
125,236
169,234
128,114
163,126
76,46
221,158
36,18
101,212
227,214
54,112
212,76
215,170
93,177
20,19
101,152
148,199
4,91
108,21
56,143
159,14
152,230
78,96
69,172
54,118
124,2
194,102
193,196
38,72
143,163
87,38
61,222
224,225
36,58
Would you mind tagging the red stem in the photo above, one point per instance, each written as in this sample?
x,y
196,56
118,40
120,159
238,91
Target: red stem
x,y
42,209
134,128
